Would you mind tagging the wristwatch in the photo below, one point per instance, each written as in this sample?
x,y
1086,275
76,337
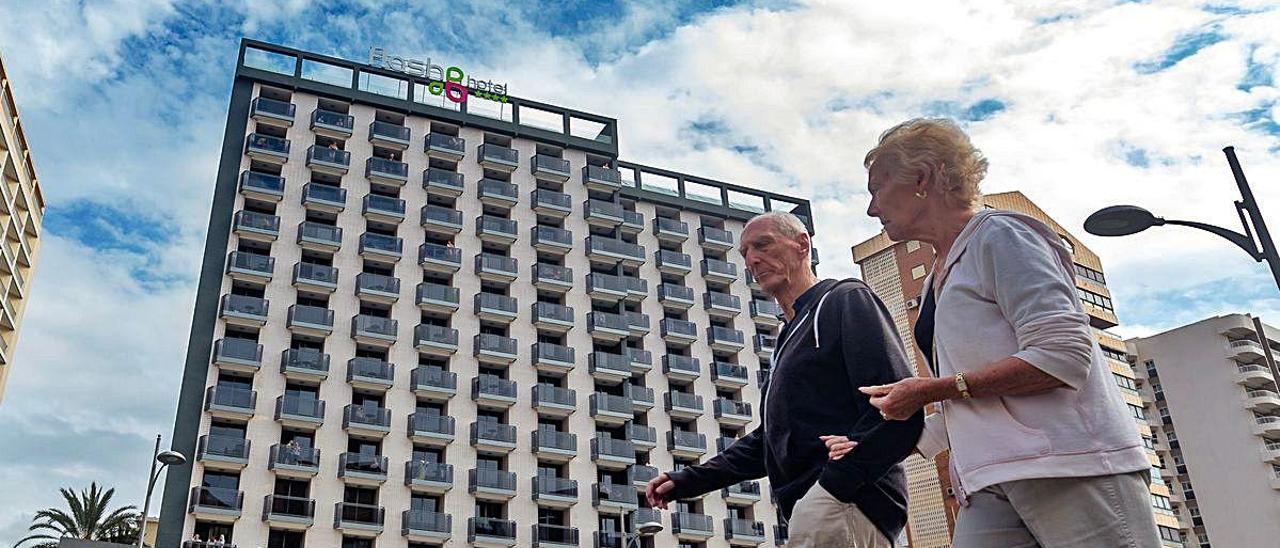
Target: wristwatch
x,y
962,386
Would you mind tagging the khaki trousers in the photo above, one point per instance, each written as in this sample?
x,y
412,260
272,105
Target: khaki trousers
x,y
819,520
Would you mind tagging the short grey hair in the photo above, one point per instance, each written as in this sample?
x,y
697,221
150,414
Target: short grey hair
x,y
785,223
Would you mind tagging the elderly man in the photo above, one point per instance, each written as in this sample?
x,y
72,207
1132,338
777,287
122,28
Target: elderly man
x,y
837,337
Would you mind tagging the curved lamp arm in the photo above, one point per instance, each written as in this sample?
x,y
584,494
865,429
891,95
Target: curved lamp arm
x,y
1244,242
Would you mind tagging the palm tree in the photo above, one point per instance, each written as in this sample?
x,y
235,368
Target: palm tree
x,y
88,519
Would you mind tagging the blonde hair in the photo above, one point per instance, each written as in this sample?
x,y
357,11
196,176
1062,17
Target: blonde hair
x,y
939,148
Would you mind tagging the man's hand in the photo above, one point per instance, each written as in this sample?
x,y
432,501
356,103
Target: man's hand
x,y
900,400
837,446
656,491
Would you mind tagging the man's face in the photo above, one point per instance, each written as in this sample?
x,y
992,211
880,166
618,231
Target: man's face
x,y
771,257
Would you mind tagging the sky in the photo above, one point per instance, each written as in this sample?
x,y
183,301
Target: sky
x,y
1078,104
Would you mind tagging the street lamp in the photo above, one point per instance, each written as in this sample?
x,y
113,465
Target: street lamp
x,y
1124,220
165,458
650,526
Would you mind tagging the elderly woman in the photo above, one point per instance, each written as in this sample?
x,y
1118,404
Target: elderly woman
x,y
1042,452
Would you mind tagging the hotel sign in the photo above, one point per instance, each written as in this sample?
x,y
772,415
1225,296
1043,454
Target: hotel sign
x,y
451,82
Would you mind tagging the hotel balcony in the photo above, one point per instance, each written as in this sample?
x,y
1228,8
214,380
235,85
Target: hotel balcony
x,y
729,376
495,308
601,213
491,485
764,345
366,421
550,168
439,258
1271,451
434,384
610,409
691,445
262,186
497,229
434,297
641,360
642,397
554,536
376,207
765,312
1254,376
223,452
494,349
493,392
670,230
639,475
290,513
260,227
551,492
370,374
266,148
338,125
637,323
426,526
724,442
747,492
606,287
326,198
554,278
601,178
550,445
692,527
743,532
293,411
440,220
725,339
389,135
554,401
753,283
272,112
632,222
608,498
496,268
1262,401
432,478
435,340
731,412
319,237
362,469
1268,427
431,430
683,405
491,532
637,289
493,192
721,305
612,251
216,504
315,277
358,520
443,182
445,147
679,332
612,454
609,368
310,320
330,161
715,238
681,368
1246,350
236,404
552,317
719,271
498,157
493,438
553,358
374,330
297,463
377,288
674,296
607,326
550,202
556,241
673,262
240,355
381,247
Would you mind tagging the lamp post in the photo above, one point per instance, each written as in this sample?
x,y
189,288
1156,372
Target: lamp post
x,y
1123,220
645,528
165,459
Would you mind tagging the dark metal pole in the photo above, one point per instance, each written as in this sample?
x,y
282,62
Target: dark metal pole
x,y
1248,204
146,505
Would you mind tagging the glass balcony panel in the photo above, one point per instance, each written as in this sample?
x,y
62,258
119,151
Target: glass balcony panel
x,y
447,143
387,130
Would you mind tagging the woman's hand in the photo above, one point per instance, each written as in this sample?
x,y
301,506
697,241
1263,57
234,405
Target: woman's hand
x,y
837,446
900,400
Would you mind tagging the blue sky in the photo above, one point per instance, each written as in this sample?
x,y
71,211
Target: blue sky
x,y
1079,104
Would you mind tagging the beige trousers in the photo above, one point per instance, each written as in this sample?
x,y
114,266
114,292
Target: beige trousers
x,y
819,520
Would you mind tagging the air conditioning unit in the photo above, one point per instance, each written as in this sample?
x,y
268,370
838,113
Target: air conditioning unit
x,y
913,303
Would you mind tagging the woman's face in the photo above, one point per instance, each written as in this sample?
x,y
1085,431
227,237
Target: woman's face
x,y
894,200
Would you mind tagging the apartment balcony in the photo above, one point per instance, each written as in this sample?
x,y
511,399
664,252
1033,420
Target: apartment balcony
x,y
358,520
613,251
692,527
612,454
637,289
435,340
683,405
432,478
260,227
439,258
445,147
223,452
262,186
310,320
496,308
250,267
556,241
496,268
1254,376
240,355
743,532
432,430
632,222
766,312
330,161
679,332
385,209
608,498
498,157
610,409
326,198
224,402
601,178
319,237
299,412
374,330
550,202
491,532
290,513
434,297
494,349
434,384
493,392
550,168
640,475
753,283
551,492
606,287
1268,427
607,326
724,442
670,230
554,401
294,462
497,229
681,368
1262,401
338,125
722,305
440,220
1246,350
272,112
552,317
725,339
216,504
715,238
690,445
550,445
553,278
679,297
642,397
266,148
426,526
764,345
673,262
719,271
497,193
554,536
315,277
601,213
370,373
389,135
362,469
553,358
1271,451
442,182
729,376
377,288
381,247
609,368
641,360
731,412
366,421
747,492
491,485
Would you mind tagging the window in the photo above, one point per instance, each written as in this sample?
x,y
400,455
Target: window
x,y
1137,412
1169,534
917,272
1094,299
1149,442
1161,502
1090,274
1125,383
912,245
1117,356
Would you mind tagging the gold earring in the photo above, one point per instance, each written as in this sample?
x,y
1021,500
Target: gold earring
x,y
922,193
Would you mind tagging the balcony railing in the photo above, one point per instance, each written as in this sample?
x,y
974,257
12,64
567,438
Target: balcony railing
x,y
493,432
381,242
281,505
314,317
436,334
499,154
425,520
554,535
490,528
326,235
551,312
601,176
715,237
434,472
677,364
555,487
673,292
258,142
765,308
543,163
324,195
548,394
492,385
673,260
495,344
253,221
486,262
370,369
693,440
715,299
735,528
553,353
366,415
341,121
499,191
363,463
600,320
724,335
352,513
389,132
552,200
602,402
551,439
639,433
615,493
723,269
491,479
440,253
300,407
615,248
228,397
604,362
436,293
730,373
244,306
552,273
316,274
426,423
217,498
496,304
726,406
329,156
640,474
683,400
377,283
223,447
449,181
384,168
685,522
295,456
497,226
241,351
264,183
274,108
450,145
607,283
640,395
383,205
549,236
429,377
603,446
600,210
670,227
681,328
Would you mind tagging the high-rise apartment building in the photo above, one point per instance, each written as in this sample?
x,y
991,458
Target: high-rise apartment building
x,y
555,328
21,214
1212,385
896,272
